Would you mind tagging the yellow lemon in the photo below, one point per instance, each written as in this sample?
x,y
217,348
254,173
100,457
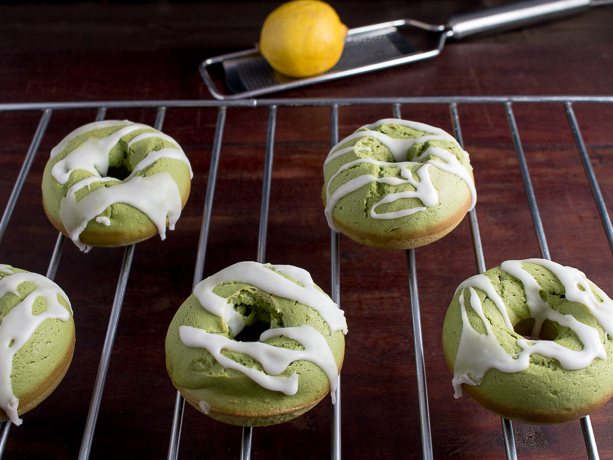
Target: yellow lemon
x,y
302,38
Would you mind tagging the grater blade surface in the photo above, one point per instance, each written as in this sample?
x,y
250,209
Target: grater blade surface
x,y
253,72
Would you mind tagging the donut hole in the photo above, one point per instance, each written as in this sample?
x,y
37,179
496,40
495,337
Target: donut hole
x,y
118,172
252,332
257,321
526,325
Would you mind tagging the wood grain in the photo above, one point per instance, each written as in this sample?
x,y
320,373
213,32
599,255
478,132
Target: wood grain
x,y
379,395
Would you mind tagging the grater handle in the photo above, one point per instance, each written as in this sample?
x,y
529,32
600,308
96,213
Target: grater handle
x,y
512,16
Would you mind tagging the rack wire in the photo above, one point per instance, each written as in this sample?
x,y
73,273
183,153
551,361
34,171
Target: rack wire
x,y
395,105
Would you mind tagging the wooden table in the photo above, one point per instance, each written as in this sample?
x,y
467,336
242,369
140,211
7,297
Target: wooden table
x,y
380,418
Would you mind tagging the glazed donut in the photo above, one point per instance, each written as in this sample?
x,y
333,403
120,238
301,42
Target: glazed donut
x,y
114,183
37,338
397,184
214,357
531,341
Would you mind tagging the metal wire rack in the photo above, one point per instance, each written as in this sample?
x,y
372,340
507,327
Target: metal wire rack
x,y
395,105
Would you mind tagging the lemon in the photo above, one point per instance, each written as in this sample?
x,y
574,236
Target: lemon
x,y
302,38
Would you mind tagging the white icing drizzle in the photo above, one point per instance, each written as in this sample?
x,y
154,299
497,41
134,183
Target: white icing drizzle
x,y
92,155
443,135
334,154
85,129
274,360
156,155
155,195
477,353
205,407
19,324
267,280
424,188
168,152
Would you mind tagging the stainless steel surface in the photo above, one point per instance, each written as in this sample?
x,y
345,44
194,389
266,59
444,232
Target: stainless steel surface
x,y
506,425
420,363
177,420
395,106
6,427
586,424
589,171
509,439
523,167
94,409
335,294
590,440
25,169
514,15
105,359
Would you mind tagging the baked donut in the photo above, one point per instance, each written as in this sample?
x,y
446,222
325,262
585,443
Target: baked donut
x,y
37,337
531,341
114,183
397,184
214,357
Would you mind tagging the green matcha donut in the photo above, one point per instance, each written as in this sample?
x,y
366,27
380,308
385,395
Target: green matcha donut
x,y
37,337
531,341
114,183
214,357
397,184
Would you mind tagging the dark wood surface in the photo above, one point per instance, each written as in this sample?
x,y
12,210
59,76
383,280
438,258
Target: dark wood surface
x,y
379,391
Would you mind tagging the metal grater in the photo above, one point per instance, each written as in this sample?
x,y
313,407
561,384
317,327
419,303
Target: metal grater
x,y
254,73
247,74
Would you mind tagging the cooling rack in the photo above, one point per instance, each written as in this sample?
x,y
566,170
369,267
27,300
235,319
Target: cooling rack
x,y
396,106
